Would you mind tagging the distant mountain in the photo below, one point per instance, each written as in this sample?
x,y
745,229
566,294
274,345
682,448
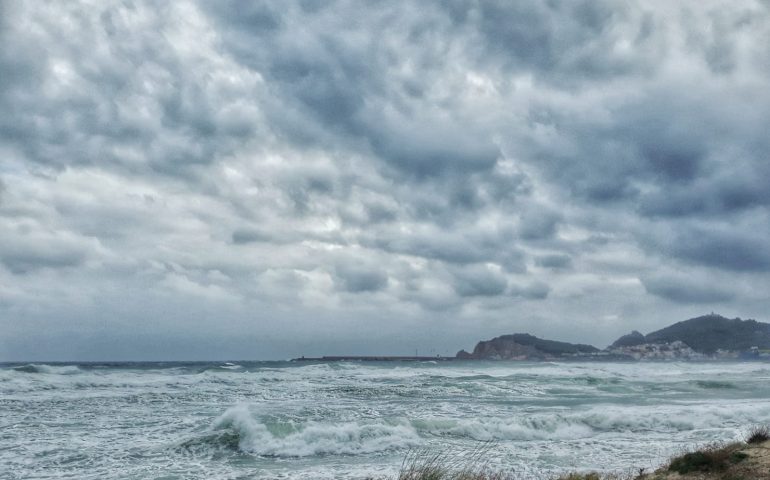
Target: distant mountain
x,y
630,340
524,345
694,339
706,334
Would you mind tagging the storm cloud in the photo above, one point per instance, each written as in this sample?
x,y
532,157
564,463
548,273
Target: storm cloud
x,y
261,180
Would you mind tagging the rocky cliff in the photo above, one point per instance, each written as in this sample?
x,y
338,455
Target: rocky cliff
x,y
521,346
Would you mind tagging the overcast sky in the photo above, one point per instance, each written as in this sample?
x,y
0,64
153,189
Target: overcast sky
x,y
225,179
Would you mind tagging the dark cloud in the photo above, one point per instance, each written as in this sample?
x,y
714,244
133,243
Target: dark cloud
x,y
25,252
358,278
729,193
452,247
538,224
242,236
479,281
76,105
344,83
738,250
684,290
564,42
23,262
555,261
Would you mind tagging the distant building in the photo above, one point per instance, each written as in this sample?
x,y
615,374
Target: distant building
x,y
676,350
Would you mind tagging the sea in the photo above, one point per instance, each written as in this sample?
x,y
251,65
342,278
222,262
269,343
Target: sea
x,y
357,420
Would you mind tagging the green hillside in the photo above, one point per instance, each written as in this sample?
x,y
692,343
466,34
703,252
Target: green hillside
x,y
707,334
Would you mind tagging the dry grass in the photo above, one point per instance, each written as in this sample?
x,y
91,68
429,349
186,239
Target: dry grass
x,y
464,465
581,476
599,476
758,434
450,465
718,460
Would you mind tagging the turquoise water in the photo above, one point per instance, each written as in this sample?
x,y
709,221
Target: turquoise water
x,y
358,419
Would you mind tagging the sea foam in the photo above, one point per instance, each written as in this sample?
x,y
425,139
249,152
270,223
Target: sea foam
x,y
48,369
313,438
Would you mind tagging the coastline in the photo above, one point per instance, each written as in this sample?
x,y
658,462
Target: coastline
x,y
744,460
565,359
372,358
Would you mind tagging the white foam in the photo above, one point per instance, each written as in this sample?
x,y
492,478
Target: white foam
x,y
49,369
542,418
564,425
314,438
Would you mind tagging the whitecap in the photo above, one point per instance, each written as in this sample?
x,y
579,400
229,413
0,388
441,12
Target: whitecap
x,y
49,369
238,424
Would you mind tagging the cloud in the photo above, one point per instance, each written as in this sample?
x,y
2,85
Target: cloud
x,y
533,291
23,251
538,223
681,289
161,101
242,236
731,250
555,261
731,191
357,278
479,281
296,171
566,42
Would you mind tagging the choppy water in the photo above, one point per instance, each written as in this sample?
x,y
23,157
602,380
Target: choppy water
x,y
357,420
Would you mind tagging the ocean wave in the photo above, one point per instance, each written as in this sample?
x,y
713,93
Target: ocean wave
x,y
495,429
225,367
714,384
48,369
237,429
567,426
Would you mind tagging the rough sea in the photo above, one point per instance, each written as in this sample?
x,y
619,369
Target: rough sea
x,y
353,420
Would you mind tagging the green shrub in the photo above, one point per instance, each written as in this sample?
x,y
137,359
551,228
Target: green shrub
x,y
712,458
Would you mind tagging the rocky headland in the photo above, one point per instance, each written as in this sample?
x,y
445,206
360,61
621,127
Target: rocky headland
x,y
523,346
709,337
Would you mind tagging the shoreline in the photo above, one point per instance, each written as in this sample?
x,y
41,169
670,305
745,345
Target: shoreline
x,y
740,460
576,359
372,358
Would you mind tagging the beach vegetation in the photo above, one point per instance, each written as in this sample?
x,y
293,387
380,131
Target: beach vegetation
x,y
758,434
450,465
711,458
599,476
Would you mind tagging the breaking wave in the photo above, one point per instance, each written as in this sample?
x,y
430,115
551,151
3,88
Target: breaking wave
x,y
356,420
49,369
714,384
238,429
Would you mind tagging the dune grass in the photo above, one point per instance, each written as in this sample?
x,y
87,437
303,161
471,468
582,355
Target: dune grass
x,y
472,465
711,458
450,465
758,434
710,461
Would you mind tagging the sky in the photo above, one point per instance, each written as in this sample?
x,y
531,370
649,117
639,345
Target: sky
x,y
264,180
